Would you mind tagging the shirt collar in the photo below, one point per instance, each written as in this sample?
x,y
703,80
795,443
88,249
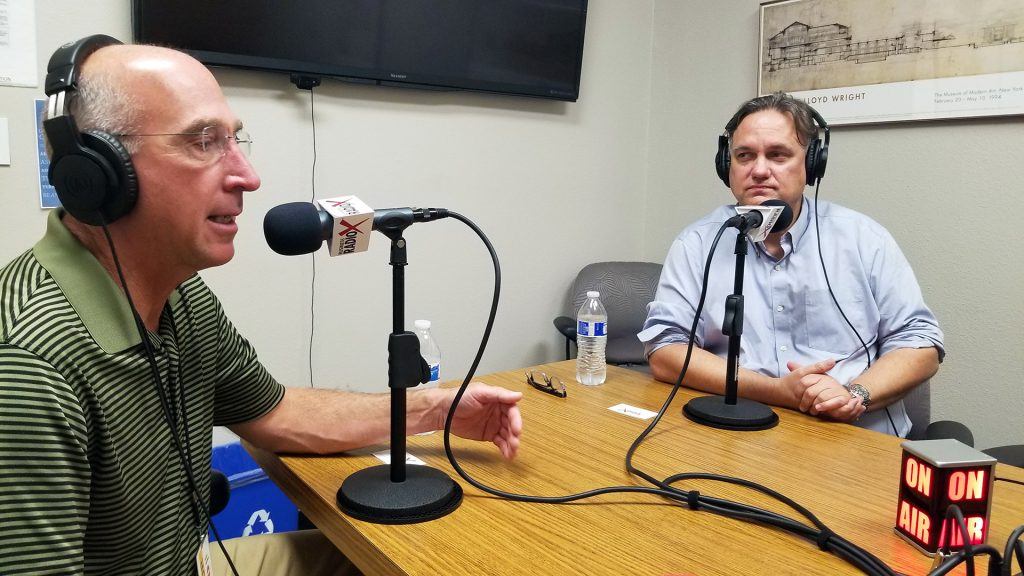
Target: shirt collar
x,y
798,231
90,290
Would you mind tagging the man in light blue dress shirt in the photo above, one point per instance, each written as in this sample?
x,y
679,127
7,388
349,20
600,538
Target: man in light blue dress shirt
x,y
797,351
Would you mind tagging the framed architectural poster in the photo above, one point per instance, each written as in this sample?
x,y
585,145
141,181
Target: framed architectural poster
x,y
863,61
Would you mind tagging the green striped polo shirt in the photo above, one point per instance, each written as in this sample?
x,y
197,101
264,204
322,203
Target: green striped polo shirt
x,y
90,480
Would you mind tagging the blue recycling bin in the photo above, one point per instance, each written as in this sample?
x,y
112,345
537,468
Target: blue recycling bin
x,y
257,505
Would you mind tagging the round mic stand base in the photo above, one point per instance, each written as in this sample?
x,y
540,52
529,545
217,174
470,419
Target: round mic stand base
x,y
425,494
745,414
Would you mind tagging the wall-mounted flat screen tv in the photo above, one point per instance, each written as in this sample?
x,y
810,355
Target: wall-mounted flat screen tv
x,y
522,47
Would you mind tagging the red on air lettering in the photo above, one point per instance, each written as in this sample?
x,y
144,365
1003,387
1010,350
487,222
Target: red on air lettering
x,y
975,529
919,477
966,485
914,522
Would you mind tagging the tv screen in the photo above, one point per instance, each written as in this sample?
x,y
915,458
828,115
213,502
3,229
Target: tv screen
x,y
523,47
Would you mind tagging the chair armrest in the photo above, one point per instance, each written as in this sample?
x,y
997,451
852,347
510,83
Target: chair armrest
x,y
949,429
566,327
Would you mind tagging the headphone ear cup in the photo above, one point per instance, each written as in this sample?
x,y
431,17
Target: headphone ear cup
x,y
821,161
123,190
811,162
82,180
722,159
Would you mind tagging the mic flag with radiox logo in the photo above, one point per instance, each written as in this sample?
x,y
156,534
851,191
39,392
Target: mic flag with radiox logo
x,y
353,222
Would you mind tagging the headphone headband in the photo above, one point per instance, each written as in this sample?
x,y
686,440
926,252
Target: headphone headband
x,y
815,116
821,123
65,64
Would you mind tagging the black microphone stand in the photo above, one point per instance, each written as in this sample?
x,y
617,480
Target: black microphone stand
x,y
396,494
731,412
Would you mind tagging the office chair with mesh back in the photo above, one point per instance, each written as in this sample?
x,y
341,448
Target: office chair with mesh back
x,y
626,288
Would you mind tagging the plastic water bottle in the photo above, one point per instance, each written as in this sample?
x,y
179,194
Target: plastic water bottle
x,y
591,339
430,352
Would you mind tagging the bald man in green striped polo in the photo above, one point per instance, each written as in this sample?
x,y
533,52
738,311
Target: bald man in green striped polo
x,y
90,479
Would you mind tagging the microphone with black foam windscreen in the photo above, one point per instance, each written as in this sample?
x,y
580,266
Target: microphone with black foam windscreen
x,y
758,221
344,223
392,493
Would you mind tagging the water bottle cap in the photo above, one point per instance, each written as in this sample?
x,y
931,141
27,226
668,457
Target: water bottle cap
x,y
593,294
422,324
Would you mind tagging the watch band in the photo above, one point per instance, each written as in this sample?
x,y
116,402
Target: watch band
x,y
857,390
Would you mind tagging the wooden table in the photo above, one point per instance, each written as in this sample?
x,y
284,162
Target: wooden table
x,y
845,475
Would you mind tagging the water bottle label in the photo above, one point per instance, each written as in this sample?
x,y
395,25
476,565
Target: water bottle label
x,y
435,372
584,328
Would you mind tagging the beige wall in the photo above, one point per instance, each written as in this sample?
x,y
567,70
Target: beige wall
x,y
945,189
631,160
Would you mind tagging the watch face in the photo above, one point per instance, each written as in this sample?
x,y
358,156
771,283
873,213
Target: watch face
x,y
861,391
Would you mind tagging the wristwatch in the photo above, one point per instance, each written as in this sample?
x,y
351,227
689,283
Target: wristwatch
x,y
857,390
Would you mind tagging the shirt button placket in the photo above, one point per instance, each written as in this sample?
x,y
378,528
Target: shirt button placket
x,y
779,293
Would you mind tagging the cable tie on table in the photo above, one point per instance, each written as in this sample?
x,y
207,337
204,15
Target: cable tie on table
x,y
825,538
693,499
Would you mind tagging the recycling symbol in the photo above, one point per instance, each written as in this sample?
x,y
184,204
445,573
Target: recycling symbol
x,y
259,523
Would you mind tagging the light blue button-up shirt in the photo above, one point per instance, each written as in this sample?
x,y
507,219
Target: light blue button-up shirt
x,y
788,312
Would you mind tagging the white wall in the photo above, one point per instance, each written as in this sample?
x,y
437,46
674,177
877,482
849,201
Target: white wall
x,y
534,175
632,160
947,190
517,167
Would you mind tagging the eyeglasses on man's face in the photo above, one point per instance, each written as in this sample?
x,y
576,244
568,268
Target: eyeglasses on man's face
x,y
549,384
209,144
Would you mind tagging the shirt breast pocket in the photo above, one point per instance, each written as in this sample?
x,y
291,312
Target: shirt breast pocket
x,y
825,327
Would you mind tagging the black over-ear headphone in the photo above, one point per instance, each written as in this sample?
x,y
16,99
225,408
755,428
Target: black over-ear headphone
x,y
814,162
92,171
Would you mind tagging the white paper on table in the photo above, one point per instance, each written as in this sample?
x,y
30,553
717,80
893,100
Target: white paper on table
x,y
385,457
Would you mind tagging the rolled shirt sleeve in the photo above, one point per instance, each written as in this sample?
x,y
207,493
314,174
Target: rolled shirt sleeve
x,y
670,315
